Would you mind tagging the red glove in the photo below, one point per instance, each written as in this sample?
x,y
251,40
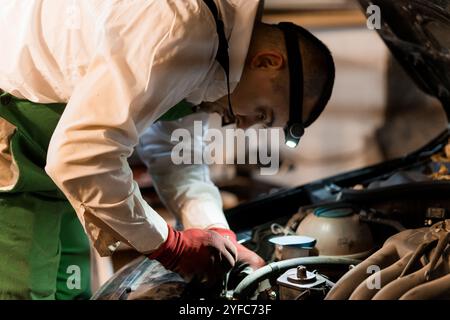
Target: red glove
x,y
197,255
245,257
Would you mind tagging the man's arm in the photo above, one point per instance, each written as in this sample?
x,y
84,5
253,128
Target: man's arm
x,y
150,55
185,189
87,159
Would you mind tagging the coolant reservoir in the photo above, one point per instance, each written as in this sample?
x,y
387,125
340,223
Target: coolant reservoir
x,y
338,232
289,247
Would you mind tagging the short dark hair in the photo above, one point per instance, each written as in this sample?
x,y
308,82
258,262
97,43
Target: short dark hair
x,y
314,52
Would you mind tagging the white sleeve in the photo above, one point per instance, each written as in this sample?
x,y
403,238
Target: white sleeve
x,y
151,54
186,190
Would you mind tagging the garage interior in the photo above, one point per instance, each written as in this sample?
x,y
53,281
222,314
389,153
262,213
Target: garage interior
x,y
361,209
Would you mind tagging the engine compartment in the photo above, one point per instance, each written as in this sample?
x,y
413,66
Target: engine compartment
x,y
368,236
394,224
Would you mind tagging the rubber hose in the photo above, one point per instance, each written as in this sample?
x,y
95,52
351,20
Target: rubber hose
x,y
249,282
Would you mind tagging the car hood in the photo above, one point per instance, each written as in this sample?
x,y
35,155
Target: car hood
x,y
418,34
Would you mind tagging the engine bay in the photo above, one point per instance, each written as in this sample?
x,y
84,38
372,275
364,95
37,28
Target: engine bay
x,y
384,237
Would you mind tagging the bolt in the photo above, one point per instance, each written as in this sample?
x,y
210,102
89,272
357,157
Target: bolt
x,y
272,295
302,273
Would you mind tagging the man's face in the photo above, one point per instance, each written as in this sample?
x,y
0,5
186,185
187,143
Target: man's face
x,y
262,95
258,99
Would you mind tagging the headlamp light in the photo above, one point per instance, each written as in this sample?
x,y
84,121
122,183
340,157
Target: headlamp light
x,y
293,134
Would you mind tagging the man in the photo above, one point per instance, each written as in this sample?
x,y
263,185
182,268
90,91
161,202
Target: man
x,y
84,80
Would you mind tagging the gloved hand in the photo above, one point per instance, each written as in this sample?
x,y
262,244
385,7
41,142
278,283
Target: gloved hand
x,y
245,257
197,255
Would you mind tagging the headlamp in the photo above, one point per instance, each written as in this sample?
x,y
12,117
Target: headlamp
x,y
295,127
293,134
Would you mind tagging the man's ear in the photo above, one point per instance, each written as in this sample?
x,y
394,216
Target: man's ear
x,y
268,60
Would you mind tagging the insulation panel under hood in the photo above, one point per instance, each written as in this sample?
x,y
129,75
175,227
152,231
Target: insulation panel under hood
x,y
418,34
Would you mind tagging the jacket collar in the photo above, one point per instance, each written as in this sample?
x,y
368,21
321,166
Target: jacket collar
x,y
239,19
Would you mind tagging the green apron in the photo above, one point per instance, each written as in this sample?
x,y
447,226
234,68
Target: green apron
x,y
43,246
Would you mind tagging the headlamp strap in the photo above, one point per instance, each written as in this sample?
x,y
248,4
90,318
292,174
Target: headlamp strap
x,y
296,80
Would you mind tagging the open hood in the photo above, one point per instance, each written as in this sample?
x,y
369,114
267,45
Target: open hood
x,y
418,34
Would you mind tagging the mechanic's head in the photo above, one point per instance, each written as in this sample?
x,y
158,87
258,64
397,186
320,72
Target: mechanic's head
x,y
262,95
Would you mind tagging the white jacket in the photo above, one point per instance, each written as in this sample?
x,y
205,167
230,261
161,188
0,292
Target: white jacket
x,y
120,65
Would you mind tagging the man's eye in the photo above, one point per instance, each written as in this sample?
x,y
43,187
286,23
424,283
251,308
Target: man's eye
x,y
262,117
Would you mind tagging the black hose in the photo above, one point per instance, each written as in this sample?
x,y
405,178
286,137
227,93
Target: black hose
x,y
387,222
249,283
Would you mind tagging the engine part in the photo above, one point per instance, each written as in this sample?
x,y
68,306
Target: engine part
x,y
290,247
142,279
413,264
247,286
339,232
298,283
372,216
